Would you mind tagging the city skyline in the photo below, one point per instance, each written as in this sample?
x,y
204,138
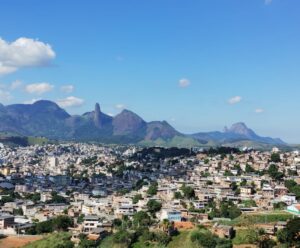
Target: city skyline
x,y
199,66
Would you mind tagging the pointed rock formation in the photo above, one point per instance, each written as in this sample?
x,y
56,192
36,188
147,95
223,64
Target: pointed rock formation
x,y
97,116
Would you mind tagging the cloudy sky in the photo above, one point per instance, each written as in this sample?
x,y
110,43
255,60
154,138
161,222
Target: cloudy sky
x,y
198,64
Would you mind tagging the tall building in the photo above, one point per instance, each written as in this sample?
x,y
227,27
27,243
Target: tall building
x,y
53,162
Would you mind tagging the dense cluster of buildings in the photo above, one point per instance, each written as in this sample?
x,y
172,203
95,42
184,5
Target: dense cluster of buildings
x,y
97,184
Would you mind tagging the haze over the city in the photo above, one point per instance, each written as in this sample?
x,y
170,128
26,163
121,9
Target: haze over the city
x,y
200,65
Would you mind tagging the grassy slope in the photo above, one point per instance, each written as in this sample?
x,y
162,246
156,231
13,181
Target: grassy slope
x,y
180,241
108,243
248,225
183,240
142,245
51,240
259,218
16,139
37,140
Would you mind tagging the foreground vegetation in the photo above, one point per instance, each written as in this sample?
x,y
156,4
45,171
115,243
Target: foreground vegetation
x,y
259,218
59,224
55,240
136,233
198,237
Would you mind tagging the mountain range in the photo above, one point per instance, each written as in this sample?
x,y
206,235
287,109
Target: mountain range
x,y
45,118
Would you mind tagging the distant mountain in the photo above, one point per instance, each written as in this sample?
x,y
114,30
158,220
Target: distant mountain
x,y
38,119
236,133
47,119
129,123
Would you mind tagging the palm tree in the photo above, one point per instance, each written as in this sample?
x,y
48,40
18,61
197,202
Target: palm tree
x,y
165,224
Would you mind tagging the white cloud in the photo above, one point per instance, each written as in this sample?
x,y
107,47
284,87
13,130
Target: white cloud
x,y
15,85
24,52
32,101
6,69
184,82
111,114
234,100
267,2
67,88
38,88
70,101
259,110
120,106
4,96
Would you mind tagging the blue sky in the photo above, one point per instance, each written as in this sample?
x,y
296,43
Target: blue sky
x,y
199,64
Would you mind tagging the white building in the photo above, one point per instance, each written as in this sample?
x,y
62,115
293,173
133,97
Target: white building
x,y
90,223
53,162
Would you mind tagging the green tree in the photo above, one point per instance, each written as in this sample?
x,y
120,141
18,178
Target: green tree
x,y
249,168
204,239
293,187
136,198
233,186
251,236
139,184
243,182
177,195
234,212
57,198
224,243
146,236
117,223
282,235
227,210
85,243
296,191
274,173
18,211
162,238
293,229
141,219
290,184
275,157
44,227
35,197
290,234
153,206
123,237
264,241
279,205
188,192
228,173
152,189
6,199
80,219
62,222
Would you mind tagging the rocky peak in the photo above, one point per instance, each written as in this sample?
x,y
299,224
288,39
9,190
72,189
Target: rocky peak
x,y
97,116
241,129
127,122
